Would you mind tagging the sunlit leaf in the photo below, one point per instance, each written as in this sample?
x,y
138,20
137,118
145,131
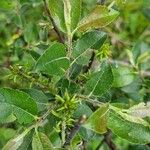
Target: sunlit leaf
x,y
41,142
98,120
131,131
140,110
100,17
123,75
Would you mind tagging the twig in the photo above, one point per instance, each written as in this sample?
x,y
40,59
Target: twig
x,y
74,130
38,123
53,22
108,140
37,82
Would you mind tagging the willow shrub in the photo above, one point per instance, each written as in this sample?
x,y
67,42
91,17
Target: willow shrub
x,y
60,93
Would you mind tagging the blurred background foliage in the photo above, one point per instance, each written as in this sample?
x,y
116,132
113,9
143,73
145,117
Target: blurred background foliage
x,y
25,32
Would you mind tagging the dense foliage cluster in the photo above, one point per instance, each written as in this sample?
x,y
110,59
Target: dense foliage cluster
x,y
75,74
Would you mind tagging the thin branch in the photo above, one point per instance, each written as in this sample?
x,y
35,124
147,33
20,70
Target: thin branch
x,y
36,81
108,140
74,130
53,22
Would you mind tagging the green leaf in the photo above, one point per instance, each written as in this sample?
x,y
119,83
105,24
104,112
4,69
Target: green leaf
x,y
141,110
65,84
75,13
19,141
27,140
131,131
124,113
39,97
6,114
13,144
100,17
90,40
30,32
6,134
67,15
123,76
41,142
136,51
34,54
82,109
7,5
101,81
54,60
18,103
57,11
98,120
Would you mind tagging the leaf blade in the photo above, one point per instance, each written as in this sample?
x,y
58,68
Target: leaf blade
x,y
131,131
90,40
41,142
98,120
54,60
14,99
101,81
98,18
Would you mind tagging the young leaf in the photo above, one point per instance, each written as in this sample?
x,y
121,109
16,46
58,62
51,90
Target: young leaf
x,y
67,15
57,11
41,142
101,81
14,144
75,13
100,17
54,60
90,40
131,131
98,120
123,76
18,103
